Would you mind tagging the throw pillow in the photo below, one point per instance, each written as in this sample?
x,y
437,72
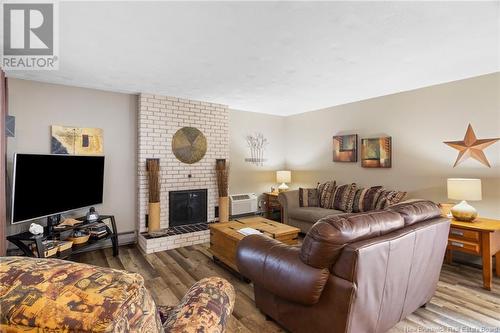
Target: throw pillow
x,y
343,197
325,192
308,197
396,197
366,198
388,198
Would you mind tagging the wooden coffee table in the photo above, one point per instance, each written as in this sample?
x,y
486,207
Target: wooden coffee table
x,y
224,237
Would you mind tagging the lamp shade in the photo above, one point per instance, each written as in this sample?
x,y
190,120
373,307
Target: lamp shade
x,y
283,176
464,189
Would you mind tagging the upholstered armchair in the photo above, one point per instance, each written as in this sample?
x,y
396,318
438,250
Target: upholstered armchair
x,y
206,308
56,295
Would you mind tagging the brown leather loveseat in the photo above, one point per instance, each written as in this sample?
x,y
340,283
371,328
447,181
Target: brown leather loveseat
x,y
354,272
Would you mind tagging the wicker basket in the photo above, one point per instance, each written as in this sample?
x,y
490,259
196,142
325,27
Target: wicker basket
x,y
79,240
64,245
50,252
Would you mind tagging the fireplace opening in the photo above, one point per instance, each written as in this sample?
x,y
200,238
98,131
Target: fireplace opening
x,y
187,207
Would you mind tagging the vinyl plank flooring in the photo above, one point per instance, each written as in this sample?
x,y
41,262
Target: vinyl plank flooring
x,y
113,262
169,277
460,302
138,258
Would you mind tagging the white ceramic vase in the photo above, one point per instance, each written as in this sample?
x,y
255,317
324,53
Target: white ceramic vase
x,y
464,212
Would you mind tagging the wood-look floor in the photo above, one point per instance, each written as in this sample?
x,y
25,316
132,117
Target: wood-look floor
x,y
459,305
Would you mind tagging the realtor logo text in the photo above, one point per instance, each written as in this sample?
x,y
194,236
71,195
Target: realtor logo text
x,y
30,36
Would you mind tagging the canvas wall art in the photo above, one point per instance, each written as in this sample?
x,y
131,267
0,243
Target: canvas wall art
x,y
345,148
376,152
76,140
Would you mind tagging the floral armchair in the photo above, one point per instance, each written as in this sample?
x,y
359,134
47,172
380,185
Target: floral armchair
x,y
61,296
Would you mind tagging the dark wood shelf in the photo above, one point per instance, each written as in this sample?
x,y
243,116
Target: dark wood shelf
x,y
272,207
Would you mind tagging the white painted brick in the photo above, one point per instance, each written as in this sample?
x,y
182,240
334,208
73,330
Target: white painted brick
x,y
159,117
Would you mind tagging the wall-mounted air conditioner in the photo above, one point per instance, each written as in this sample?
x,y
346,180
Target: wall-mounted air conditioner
x,y
245,203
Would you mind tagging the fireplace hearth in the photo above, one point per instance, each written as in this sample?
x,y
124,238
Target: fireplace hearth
x,y
187,207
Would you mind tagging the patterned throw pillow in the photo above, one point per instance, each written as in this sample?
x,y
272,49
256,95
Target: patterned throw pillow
x,y
308,197
325,191
388,198
366,198
343,197
396,197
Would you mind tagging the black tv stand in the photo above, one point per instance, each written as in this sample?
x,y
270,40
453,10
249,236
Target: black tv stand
x,y
22,240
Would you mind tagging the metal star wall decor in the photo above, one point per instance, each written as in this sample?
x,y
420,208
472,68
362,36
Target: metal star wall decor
x,y
470,146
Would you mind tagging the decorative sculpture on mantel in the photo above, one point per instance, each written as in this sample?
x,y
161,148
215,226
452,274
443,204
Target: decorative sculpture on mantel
x,y
257,144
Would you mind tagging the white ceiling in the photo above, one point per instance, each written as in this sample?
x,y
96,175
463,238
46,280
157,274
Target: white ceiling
x,y
273,57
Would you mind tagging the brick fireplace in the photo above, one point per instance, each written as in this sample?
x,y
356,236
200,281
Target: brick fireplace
x,y
159,117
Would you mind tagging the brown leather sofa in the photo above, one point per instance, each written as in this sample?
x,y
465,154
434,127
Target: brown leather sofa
x,y
353,273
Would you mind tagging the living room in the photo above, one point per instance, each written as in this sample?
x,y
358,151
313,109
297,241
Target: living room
x,y
205,122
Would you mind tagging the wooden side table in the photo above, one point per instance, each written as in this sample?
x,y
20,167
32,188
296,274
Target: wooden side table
x,y
481,237
271,205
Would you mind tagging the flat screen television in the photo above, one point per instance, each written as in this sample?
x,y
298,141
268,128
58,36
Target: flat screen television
x,y
47,185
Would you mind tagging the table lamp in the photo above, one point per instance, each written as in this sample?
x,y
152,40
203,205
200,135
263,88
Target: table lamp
x,y
464,189
283,177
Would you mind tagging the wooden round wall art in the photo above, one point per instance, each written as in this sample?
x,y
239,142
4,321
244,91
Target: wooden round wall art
x,y
189,145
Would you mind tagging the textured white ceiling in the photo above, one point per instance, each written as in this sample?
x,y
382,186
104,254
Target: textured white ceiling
x,y
273,57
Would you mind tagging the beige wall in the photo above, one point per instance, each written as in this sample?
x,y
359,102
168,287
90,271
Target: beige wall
x,y
418,121
247,177
37,106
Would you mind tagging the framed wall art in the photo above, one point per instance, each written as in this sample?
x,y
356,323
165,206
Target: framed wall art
x,y
76,140
345,148
376,152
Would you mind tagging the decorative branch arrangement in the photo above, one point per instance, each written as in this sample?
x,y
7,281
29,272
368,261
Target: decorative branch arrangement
x,y
222,173
257,144
153,167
